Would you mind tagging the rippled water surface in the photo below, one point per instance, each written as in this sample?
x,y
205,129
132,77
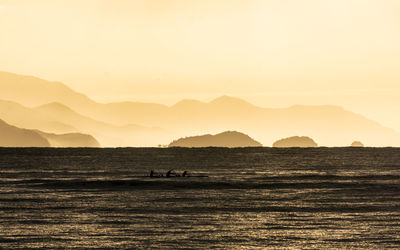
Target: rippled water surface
x,y
252,198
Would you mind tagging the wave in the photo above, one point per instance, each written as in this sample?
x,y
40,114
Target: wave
x,y
367,184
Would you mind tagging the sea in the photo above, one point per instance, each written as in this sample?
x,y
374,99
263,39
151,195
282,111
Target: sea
x,y
239,198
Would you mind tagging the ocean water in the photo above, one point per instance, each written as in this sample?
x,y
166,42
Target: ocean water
x,y
251,198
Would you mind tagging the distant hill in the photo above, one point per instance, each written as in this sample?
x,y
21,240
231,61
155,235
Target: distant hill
x,y
357,144
70,140
32,92
11,136
330,125
108,134
57,118
230,139
295,141
23,117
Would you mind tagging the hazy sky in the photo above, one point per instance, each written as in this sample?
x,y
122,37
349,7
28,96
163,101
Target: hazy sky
x,y
272,53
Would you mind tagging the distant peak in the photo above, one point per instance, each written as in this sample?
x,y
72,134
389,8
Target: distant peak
x,y
24,78
187,102
223,100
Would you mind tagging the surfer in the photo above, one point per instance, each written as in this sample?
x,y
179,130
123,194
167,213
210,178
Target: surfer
x,y
185,173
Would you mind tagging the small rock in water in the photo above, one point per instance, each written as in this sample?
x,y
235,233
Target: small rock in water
x,y
357,144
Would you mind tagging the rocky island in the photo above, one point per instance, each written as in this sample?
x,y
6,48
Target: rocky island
x,y
229,139
295,141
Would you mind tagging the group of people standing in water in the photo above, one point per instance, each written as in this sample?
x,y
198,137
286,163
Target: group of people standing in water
x,y
170,173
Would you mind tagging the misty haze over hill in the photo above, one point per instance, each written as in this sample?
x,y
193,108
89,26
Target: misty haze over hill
x,y
58,118
33,103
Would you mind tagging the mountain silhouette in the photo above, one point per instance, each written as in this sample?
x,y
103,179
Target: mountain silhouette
x,y
24,117
32,91
295,141
230,139
230,102
108,134
70,140
330,125
60,119
11,136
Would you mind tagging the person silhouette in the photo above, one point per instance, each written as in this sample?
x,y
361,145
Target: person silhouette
x,y
169,173
152,173
185,173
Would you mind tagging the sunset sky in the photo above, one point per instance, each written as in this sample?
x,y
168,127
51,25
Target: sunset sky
x,y
271,53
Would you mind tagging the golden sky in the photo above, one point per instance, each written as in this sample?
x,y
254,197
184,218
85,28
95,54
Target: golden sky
x,y
272,53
